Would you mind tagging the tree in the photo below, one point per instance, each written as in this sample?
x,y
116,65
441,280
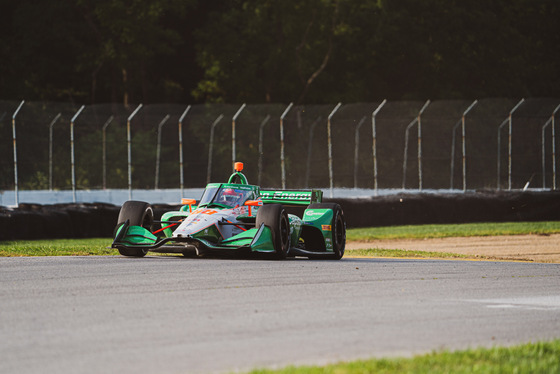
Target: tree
x,y
313,51
267,50
129,39
37,50
466,49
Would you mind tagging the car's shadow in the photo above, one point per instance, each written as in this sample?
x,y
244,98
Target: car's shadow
x,y
269,258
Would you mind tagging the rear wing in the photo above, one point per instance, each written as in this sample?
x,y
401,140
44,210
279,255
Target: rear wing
x,y
291,197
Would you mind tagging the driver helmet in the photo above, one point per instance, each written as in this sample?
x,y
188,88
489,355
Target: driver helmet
x,y
229,195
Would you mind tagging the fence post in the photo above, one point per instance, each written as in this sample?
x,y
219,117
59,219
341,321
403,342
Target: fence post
x,y
51,150
180,130
158,150
104,146
554,149
463,144
329,139
310,151
233,153
129,150
452,171
374,142
420,145
509,141
261,137
282,159
498,160
73,164
211,147
543,151
357,149
16,191
415,120
405,156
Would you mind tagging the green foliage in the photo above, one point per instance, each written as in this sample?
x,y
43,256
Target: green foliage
x,y
376,49
39,181
274,49
313,51
87,50
541,357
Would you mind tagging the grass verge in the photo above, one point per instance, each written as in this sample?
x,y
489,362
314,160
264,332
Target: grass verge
x,y
542,357
453,230
401,253
98,246
59,247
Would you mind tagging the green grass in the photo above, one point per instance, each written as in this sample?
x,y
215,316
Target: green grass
x,y
401,253
456,230
98,246
542,357
59,247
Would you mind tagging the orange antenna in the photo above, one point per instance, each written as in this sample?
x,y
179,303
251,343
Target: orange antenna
x,y
238,166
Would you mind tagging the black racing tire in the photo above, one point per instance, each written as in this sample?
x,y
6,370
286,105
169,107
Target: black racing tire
x,y
338,227
275,217
138,213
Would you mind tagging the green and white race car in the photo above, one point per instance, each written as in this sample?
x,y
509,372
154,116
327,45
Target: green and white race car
x,y
236,217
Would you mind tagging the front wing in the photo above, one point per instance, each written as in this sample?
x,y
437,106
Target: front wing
x,y
136,237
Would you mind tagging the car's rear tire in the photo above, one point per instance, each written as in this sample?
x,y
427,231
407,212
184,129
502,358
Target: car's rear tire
x,y
138,213
338,228
275,217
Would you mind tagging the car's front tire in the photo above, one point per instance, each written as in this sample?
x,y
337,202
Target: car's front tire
x,y
275,217
138,213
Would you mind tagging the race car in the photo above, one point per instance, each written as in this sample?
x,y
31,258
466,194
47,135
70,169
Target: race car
x,y
236,217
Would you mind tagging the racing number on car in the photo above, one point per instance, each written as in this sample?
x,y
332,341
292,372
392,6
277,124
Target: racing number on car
x,y
210,211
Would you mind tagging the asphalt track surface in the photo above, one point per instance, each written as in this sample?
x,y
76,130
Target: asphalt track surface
x,y
176,315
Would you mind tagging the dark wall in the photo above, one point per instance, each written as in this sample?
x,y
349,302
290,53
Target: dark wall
x,y
415,209
33,221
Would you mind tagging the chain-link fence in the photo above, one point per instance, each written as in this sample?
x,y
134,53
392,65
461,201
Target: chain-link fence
x,y
494,157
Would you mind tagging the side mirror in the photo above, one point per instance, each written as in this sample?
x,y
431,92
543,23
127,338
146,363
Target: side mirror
x,y
251,203
189,202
